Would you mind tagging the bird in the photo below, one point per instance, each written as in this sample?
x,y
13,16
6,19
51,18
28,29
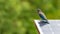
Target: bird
x,y
42,16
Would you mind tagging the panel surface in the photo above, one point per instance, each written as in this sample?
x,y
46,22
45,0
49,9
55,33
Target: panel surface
x,y
52,28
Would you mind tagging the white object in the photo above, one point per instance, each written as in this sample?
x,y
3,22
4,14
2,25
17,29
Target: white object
x,y
52,28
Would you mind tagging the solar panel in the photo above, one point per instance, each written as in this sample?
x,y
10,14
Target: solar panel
x,y
52,28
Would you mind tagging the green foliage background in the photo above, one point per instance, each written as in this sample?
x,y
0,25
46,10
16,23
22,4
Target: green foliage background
x,y
16,16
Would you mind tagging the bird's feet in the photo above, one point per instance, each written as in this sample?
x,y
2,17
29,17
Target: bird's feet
x,y
45,21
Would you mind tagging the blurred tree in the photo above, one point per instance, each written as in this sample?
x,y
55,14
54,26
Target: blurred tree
x,y
16,16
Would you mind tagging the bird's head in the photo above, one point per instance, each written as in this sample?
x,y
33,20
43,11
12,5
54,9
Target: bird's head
x,y
38,10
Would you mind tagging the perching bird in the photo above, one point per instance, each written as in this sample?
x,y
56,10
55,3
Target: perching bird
x,y
42,16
